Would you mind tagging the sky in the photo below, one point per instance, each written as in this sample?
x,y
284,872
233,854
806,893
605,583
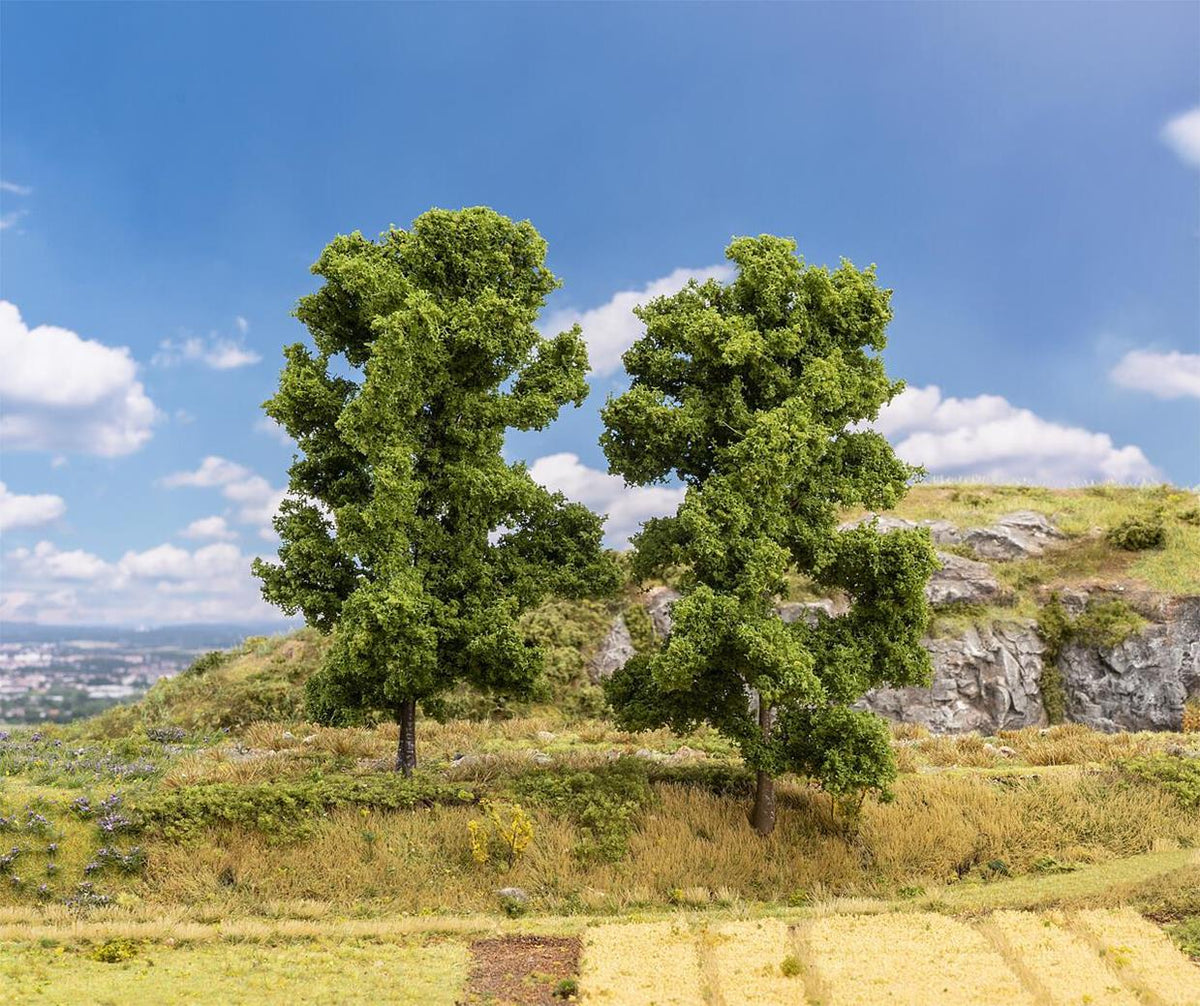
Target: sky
x,y
1025,177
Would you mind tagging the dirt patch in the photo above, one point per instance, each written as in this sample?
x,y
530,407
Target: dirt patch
x,y
523,971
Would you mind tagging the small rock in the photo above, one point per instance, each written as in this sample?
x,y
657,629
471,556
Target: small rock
x,y
288,736
961,581
541,758
311,738
517,894
545,736
647,755
1006,751
685,754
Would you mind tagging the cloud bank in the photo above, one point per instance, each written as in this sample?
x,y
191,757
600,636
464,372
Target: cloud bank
x,y
63,393
1163,375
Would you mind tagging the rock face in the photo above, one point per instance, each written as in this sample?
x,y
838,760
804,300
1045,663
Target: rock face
x,y
961,581
1141,684
985,680
658,602
616,648
1018,535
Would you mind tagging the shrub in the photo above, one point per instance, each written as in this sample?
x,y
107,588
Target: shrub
x,y
208,662
601,803
115,951
1178,776
1191,717
501,836
1138,532
790,966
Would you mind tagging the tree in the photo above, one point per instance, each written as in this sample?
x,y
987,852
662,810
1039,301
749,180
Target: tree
x,y
753,394
404,528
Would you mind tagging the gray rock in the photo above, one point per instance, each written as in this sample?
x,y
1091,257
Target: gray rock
x,y
517,894
646,754
614,651
540,758
658,602
1019,535
545,736
809,611
961,581
684,754
986,680
1141,684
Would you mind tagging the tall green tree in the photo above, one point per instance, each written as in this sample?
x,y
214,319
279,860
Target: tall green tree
x,y
753,395
404,528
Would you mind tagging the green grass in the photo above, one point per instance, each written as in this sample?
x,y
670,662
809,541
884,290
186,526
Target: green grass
x,y
328,971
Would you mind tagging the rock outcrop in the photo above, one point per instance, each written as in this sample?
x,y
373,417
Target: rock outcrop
x,y
986,679
1142,683
614,651
961,581
1022,534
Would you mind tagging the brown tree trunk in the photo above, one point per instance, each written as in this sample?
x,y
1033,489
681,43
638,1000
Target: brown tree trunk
x,y
762,815
406,748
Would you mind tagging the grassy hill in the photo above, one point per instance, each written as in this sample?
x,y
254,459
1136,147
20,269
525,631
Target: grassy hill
x,y
210,814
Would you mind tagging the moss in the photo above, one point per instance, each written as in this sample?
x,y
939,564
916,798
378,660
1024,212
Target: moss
x,y
1102,624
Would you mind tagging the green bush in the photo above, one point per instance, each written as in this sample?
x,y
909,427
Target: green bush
x,y
1178,776
602,804
285,809
1138,532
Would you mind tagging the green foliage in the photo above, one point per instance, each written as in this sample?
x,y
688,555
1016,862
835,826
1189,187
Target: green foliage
x,y
1178,776
406,528
205,663
752,395
1102,624
790,966
116,950
602,804
287,808
1139,532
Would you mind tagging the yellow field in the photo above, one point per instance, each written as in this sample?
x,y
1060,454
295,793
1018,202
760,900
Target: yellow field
x,y
1109,957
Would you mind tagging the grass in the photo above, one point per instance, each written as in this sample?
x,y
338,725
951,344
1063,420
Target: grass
x,y
325,971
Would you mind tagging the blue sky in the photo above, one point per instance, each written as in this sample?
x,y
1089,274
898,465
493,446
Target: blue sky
x,y
1024,176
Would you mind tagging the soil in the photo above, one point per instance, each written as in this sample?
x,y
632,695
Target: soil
x,y
521,970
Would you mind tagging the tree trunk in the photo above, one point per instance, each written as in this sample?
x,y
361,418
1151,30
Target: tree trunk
x,y
762,816
406,749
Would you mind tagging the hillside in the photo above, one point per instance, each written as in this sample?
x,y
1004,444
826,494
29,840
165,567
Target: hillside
x,y
210,817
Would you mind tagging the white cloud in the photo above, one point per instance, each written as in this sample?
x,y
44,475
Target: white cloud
x,y
17,510
161,584
14,189
1182,134
209,527
64,393
216,351
256,498
612,328
11,219
1164,375
626,506
987,437
274,430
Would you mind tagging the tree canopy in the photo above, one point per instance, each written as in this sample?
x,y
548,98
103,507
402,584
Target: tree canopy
x,y
754,394
404,527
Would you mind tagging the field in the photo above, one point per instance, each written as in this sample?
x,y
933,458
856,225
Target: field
x,y
209,845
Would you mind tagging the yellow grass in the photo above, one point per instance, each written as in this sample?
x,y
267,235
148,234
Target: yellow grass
x,y
1140,953
1063,969
748,957
648,964
916,960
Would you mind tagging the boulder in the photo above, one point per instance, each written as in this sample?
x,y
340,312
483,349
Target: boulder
x,y
1023,534
986,679
809,611
614,651
1142,683
961,581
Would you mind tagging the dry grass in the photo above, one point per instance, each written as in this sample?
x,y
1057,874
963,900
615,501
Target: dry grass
x,y
911,959
1062,969
1140,953
646,963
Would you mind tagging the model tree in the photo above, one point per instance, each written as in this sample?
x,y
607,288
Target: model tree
x,y
754,395
405,530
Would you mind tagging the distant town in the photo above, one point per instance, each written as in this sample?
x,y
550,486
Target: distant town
x,y
55,674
